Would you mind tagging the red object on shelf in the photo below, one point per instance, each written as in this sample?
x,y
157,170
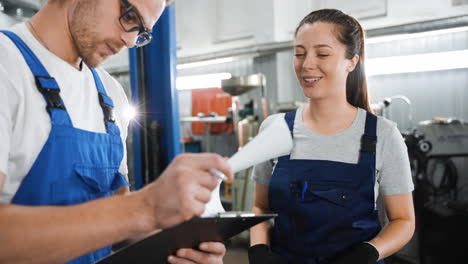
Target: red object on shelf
x,y
207,101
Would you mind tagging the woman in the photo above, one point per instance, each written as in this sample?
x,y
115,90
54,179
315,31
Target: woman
x,y
325,191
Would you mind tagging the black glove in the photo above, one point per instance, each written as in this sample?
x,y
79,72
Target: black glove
x,y
261,253
363,253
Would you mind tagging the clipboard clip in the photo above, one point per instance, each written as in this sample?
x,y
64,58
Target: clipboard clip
x,y
235,214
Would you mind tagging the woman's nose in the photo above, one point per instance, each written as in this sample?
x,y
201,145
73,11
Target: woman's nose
x,y
309,62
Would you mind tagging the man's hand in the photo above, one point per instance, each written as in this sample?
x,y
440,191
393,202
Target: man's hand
x,y
182,190
210,253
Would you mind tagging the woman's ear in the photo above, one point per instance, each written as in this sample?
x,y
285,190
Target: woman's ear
x,y
353,62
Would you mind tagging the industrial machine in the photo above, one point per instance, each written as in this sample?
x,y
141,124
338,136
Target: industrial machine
x,y
438,151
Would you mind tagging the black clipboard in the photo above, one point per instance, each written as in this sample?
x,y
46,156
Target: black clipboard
x,y
156,248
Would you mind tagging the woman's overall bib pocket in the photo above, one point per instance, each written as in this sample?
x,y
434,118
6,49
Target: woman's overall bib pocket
x,y
323,208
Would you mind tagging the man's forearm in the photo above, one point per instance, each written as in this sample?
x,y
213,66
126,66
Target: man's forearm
x,y
59,234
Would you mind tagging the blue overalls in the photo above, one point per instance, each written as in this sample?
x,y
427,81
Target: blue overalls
x,y
324,207
74,166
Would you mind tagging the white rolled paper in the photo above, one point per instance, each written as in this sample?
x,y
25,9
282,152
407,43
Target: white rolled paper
x,y
272,142
214,206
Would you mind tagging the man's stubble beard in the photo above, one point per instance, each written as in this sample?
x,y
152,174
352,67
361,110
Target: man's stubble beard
x,y
84,37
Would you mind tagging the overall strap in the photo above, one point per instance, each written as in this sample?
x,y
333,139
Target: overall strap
x,y
46,85
369,139
289,118
107,105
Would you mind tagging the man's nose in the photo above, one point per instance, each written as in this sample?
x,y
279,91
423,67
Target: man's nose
x,y
129,38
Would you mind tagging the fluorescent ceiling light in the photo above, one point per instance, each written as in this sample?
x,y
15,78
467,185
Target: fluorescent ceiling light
x,y
418,63
204,63
414,35
202,81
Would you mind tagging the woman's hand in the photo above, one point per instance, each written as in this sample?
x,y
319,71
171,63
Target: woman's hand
x,y
210,253
261,253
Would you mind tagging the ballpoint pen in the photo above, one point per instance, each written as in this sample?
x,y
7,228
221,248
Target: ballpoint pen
x,y
218,174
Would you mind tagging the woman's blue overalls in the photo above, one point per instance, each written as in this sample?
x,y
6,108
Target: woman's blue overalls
x,y
74,166
324,207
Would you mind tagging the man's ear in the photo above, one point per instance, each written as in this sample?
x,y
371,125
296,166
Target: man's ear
x,y
353,62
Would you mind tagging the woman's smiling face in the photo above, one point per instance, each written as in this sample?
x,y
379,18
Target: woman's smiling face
x,y
320,61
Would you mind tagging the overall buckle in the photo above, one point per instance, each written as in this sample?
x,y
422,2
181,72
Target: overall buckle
x,y
49,88
108,109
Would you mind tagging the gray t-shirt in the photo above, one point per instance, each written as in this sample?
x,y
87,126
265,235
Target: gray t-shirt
x,y
392,163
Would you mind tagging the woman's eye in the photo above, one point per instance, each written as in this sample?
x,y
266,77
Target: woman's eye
x,y
299,55
323,55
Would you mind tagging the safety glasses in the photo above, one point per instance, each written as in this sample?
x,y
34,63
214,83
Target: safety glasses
x,y
131,21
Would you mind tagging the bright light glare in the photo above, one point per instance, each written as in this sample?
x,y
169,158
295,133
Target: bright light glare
x,y
201,81
130,112
418,63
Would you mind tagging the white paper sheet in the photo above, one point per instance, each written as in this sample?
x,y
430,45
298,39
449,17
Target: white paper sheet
x,y
274,141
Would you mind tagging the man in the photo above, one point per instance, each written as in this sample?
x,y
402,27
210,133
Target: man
x,y
62,155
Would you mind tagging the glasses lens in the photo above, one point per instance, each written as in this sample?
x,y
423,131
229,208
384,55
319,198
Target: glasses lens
x,y
130,21
143,39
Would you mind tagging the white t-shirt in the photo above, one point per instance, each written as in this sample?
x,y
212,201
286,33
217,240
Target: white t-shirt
x,y
24,122
393,173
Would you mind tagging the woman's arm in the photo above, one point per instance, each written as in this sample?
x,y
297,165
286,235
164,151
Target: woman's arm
x,y
260,252
259,233
396,187
400,229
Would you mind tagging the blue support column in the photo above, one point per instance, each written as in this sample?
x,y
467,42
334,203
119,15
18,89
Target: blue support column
x,y
160,70
136,125
154,68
